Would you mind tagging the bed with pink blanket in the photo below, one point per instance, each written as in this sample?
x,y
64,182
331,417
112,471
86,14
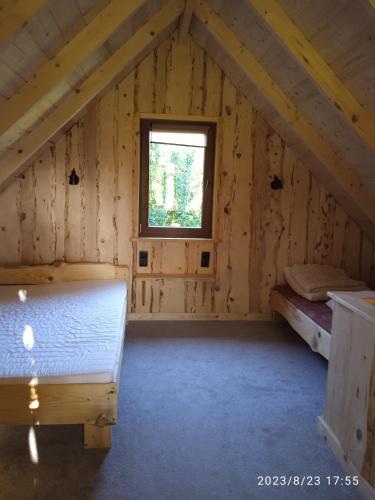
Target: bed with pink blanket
x,y
303,301
312,320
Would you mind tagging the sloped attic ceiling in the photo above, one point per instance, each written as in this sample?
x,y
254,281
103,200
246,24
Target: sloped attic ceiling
x,y
320,98
56,51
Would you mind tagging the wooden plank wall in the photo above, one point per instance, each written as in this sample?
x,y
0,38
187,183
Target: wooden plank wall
x,y
258,230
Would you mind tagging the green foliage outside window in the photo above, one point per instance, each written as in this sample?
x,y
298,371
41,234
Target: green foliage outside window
x,y
175,186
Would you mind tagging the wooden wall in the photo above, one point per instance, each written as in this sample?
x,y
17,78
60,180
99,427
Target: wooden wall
x,y
258,230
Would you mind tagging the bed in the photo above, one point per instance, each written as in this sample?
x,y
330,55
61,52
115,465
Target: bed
x,y
311,320
62,330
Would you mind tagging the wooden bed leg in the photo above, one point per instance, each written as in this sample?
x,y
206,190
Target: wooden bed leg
x,y
276,316
97,437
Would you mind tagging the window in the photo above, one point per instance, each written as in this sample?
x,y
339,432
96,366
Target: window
x,y
176,182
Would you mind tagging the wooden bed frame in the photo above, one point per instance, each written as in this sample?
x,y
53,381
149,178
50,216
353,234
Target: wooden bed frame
x,y
316,337
93,405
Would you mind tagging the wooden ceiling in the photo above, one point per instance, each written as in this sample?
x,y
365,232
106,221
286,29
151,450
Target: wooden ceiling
x,y
307,65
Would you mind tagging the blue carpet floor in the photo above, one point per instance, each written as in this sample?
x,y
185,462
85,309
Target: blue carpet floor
x,y
205,409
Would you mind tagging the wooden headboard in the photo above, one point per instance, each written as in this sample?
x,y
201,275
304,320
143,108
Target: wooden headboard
x,y
60,272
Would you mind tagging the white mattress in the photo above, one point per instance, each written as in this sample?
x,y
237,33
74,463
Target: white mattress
x,y
63,333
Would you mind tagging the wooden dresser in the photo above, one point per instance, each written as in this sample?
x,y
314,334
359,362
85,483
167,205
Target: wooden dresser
x,y
348,425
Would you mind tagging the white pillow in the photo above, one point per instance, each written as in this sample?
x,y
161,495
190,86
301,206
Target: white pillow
x,y
294,285
303,277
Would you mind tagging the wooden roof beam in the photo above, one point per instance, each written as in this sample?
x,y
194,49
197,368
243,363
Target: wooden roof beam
x,y
14,161
14,14
346,186
369,5
185,19
318,70
70,56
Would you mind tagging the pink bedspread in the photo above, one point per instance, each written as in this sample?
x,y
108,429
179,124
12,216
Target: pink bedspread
x,y
319,312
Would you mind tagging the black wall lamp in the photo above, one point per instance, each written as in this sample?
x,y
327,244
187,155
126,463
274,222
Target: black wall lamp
x,y
276,183
73,178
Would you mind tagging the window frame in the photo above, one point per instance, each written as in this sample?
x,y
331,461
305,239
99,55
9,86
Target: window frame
x,y
144,230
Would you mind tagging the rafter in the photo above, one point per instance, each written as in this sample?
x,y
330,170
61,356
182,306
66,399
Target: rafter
x,y
13,161
369,5
70,56
346,185
14,14
319,71
185,19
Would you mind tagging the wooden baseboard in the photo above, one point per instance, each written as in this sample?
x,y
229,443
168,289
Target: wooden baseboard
x,y
200,316
366,490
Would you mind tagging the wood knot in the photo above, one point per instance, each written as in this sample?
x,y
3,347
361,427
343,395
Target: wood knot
x,y
102,420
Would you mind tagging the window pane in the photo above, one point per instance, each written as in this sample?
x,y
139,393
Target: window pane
x,y
176,185
180,138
